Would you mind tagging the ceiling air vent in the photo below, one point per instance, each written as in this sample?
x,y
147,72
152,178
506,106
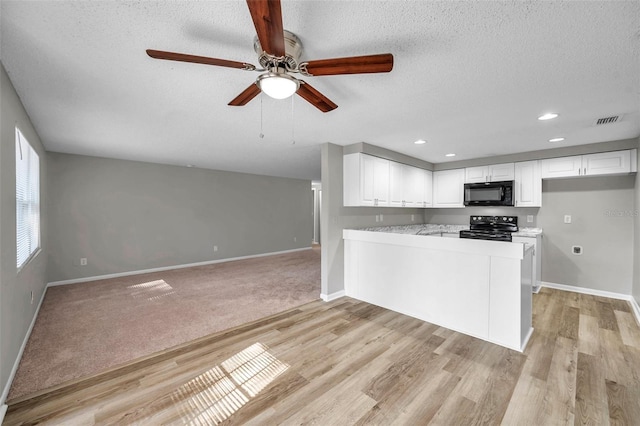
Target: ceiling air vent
x,y
607,120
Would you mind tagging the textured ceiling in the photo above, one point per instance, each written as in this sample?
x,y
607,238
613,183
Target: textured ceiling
x,y
469,77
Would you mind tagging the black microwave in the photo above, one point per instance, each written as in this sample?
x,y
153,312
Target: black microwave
x,y
489,194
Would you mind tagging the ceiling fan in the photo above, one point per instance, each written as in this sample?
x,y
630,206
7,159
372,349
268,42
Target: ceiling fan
x,y
279,54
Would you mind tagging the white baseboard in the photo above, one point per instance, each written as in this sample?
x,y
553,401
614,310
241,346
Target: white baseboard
x,y
168,268
332,296
7,386
636,310
602,293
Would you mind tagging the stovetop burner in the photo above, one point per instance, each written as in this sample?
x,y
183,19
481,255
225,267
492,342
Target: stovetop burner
x,y
495,228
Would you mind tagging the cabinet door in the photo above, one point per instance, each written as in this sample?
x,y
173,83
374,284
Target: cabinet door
x,y
428,188
476,174
367,180
500,172
448,188
396,184
606,163
414,187
561,167
528,184
381,182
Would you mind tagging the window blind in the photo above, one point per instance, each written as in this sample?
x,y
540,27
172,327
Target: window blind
x,y
27,199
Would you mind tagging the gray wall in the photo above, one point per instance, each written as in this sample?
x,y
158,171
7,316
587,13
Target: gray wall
x,y
16,309
128,216
602,223
636,250
335,218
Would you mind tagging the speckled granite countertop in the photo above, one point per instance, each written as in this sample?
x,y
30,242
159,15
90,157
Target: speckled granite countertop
x,y
431,229
422,229
527,232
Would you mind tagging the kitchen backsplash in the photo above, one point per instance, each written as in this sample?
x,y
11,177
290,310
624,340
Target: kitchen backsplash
x,y
461,216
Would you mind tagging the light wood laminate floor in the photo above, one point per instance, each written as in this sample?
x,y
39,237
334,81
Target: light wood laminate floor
x,y
348,362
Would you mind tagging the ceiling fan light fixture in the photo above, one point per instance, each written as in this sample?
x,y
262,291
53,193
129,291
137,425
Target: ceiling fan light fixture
x,y
278,85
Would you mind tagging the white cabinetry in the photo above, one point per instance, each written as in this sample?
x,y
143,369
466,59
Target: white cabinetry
x,y
428,188
493,173
607,163
406,185
537,258
604,163
448,188
373,181
365,180
528,184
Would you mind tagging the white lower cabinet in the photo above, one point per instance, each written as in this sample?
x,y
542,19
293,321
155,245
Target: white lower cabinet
x,y
448,188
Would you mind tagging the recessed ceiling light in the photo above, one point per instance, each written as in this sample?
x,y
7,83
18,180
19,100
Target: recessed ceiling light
x,y
189,165
548,116
420,142
556,140
450,155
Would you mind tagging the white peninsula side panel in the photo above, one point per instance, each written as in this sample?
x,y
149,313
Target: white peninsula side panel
x,y
471,286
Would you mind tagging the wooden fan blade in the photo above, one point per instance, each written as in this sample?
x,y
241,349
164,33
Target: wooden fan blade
x,y
267,18
171,56
350,65
244,97
315,98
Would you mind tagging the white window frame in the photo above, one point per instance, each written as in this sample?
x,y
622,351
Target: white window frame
x,y
27,201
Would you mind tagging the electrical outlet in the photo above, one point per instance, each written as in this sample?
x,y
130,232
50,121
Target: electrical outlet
x,y
215,248
567,218
295,239
412,218
83,261
529,218
381,218
377,218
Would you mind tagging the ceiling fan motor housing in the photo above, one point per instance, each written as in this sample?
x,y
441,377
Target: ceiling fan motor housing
x,y
293,51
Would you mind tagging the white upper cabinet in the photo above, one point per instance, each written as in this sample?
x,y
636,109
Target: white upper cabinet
x,y
562,167
373,181
448,188
604,163
492,173
365,180
406,185
428,188
396,184
528,184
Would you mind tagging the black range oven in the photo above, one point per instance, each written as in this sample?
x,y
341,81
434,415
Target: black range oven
x,y
496,228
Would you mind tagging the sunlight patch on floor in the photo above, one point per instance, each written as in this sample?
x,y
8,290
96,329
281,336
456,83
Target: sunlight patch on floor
x,y
216,394
152,290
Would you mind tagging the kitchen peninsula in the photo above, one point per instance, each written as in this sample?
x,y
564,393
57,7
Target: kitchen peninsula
x,y
477,287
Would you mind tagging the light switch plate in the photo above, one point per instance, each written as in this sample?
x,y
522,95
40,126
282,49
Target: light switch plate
x,y
567,218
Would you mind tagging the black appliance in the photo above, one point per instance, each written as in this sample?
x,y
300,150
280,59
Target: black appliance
x,y
489,193
495,228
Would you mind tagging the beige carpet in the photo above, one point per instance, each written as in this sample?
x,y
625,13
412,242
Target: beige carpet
x,y
86,328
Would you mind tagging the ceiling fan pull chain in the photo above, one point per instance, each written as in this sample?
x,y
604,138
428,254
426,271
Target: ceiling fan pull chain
x,y
293,139
261,134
